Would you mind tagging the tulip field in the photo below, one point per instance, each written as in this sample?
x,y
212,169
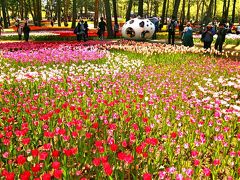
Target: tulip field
x,y
117,110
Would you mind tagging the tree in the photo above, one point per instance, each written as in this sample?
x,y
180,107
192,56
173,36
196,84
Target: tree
x,y
140,8
96,13
199,2
4,12
188,10
208,16
59,7
156,4
175,9
74,13
115,11
183,12
129,8
233,11
163,11
109,18
225,10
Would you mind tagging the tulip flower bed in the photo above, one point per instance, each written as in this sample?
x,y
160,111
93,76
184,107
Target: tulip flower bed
x,y
50,34
125,115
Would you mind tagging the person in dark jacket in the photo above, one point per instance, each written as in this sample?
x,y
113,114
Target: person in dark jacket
x,y
171,31
221,37
80,31
86,29
207,37
101,27
26,31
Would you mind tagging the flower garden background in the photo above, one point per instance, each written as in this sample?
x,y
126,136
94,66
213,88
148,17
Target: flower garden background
x,y
118,110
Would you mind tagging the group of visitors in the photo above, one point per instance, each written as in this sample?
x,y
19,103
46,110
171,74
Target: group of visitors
x,y
81,31
25,30
206,36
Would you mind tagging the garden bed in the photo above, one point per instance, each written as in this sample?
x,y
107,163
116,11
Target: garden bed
x,y
135,111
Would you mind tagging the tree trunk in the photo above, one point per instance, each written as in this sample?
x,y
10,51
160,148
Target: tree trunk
x,y
209,11
233,11
4,10
208,14
227,10
109,18
39,12
175,9
151,8
25,8
188,10
96,13
183,12
140,8
215,8
31,11
163,11
224,9
202,11
156,4
8,17
115,11
148,8
21,6
167,8
129,8
74,15
198,9
59,12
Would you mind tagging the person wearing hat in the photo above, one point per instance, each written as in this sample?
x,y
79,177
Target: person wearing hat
x,y
207,37
222,31
187,35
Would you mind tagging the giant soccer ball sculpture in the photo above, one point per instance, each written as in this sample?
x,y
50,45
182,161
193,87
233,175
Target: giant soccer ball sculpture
x,y
138,29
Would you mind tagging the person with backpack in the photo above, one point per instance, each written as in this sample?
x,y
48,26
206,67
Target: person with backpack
x,y
207,37
101,28
171,31
222,31
26,31
187,37
80,31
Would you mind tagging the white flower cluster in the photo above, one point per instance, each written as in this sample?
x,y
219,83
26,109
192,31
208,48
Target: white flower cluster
x,y
114,65
37,33
222,94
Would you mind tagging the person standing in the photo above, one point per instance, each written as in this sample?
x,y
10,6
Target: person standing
x,y
86,29
116,29
1,29
52,22
187,35
77,31
26,31
101,26
80,31
207,37
222,31
19,31
171,31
